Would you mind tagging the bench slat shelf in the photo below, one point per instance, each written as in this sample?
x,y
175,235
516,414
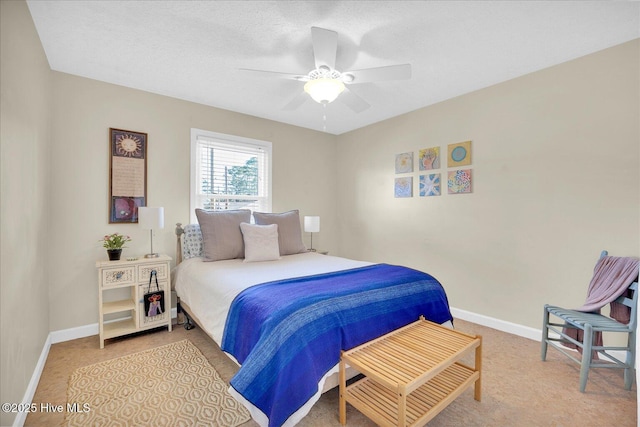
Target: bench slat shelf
x,y
412,374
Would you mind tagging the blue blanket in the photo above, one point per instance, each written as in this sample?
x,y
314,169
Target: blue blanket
x,y
288,334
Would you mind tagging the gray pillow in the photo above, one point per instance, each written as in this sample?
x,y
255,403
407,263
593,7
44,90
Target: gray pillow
x,y
289,233
221,235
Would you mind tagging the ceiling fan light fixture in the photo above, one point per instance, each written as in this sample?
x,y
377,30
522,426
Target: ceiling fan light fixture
x,y
324,90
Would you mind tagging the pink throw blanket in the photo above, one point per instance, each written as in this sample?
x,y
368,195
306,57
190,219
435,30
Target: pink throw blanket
x,y
611,278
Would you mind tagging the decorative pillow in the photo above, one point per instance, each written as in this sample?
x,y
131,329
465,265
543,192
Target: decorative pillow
x,y
289,233
192,242
221,235
260,242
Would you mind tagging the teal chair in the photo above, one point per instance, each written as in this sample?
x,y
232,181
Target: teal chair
x,y
590,323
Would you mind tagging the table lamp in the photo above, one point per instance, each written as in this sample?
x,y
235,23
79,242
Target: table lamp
x,y
150,219
312,225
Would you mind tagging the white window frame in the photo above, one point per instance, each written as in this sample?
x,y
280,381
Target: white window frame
x,y
195,198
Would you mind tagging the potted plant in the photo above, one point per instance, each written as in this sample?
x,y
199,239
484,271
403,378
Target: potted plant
x,y
114,244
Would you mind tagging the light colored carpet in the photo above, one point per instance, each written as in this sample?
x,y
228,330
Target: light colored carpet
x,y
518,389
172,385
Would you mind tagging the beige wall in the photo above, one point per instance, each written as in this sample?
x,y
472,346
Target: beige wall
x,y
555,161
25,112
556,180
303,177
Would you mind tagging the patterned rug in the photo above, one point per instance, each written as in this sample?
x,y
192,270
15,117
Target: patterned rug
x,y
172,385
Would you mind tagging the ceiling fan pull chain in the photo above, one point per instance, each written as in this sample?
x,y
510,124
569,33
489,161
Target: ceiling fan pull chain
x,y
324,116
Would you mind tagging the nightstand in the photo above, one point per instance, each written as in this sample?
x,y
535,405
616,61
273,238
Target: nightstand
x,y
121,288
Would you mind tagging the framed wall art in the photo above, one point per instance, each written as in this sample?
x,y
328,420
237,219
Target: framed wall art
x,y
127,175
429,158
430,185
404,162
459,154
403,187
459,181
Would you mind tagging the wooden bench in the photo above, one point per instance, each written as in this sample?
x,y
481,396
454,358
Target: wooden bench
x,y
411,374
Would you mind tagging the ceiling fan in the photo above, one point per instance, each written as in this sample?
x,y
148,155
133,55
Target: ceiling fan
x,y
324,83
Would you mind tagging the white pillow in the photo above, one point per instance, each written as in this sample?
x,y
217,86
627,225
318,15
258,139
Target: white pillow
x,y
260,242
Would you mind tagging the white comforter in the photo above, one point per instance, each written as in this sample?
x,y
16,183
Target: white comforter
x,y
209,288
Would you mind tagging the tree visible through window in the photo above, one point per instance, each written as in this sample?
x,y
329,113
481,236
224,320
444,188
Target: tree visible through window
x,y
229,172
244,179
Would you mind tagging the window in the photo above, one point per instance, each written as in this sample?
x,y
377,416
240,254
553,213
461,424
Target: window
x,y
229,172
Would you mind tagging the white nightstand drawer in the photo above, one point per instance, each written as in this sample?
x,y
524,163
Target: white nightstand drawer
x,y
144,271
118,276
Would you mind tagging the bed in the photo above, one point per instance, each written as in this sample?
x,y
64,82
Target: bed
x,y
284,317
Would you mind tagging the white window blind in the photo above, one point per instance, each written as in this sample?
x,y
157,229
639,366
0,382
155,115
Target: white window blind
x,y
229,172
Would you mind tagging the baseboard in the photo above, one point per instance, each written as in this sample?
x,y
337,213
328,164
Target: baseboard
x,y
501,325
74,333
93,329
21,417
54,338
513,328
84,331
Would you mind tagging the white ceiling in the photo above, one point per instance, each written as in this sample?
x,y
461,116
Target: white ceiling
x,y
193,50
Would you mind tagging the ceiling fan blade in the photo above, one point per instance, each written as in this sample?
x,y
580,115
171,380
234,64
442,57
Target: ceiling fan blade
x,y
353,101
297,101
390,72
290,76
325,47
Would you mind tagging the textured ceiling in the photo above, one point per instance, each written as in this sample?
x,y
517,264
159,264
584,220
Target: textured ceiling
x,y
194,50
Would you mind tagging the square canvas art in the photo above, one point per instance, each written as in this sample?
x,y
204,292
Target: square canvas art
x,y
459,181
404,187
429,158
404,162
430,185
459,154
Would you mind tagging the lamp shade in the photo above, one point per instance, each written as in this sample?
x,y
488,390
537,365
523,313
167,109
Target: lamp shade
x,y
324,90
312,224
150,218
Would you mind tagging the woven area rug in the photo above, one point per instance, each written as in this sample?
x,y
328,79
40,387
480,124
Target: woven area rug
x,y
172,385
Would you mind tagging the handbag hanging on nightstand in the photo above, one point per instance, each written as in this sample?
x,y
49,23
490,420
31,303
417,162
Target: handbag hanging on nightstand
x,y
153,300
